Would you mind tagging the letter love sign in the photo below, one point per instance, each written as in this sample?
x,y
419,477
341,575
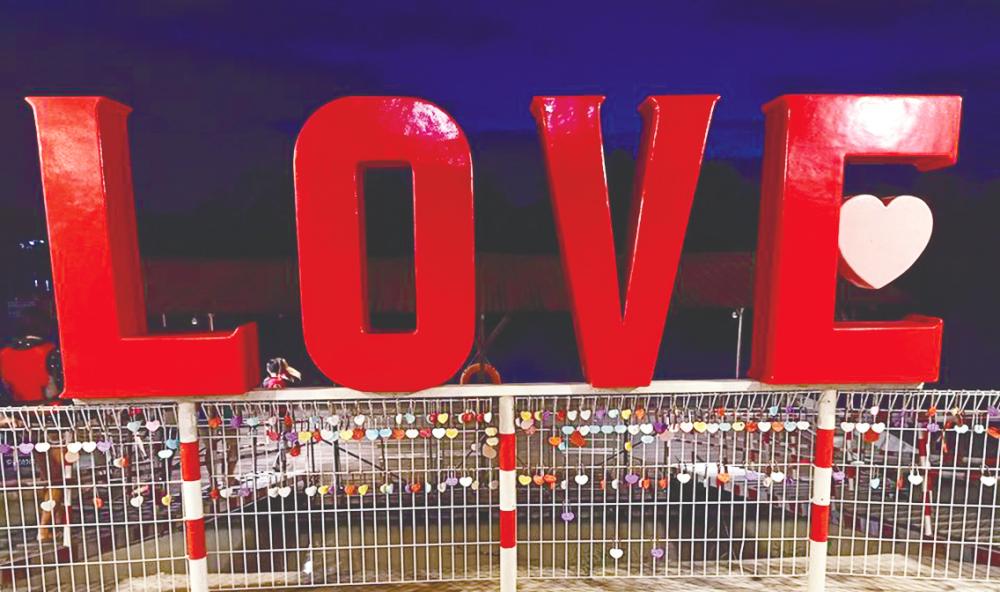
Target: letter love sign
x,y
83,146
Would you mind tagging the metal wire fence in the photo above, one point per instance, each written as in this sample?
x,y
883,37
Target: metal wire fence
x,y
300,492
90,498
914,490
664,484
338,492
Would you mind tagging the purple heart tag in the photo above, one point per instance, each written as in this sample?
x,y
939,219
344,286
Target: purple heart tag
x,y
546,415
567,516
631,478
245,491
291,437
657,553
838,476
451,481
5,448
933,427
25,447
992,411
599,414
236,421
104,445
659,427
407,488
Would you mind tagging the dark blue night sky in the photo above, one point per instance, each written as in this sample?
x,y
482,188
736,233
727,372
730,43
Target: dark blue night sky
x,y
220,90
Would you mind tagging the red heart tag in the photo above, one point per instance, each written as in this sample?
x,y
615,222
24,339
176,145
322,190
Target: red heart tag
x,y
359,434
561,414
577,439
214,422
296,450
350,489
273,435
425,432
416,487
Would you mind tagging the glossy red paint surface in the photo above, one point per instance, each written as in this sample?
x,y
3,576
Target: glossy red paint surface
x,y
86,176
809,139
619,344
335,146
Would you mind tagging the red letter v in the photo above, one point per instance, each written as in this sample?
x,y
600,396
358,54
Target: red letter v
x,y
620,350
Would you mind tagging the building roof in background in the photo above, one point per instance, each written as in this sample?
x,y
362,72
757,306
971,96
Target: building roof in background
x,y
506,283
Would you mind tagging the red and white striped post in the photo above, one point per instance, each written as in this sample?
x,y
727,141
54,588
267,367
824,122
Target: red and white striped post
x,y
191,501
822,485
508,496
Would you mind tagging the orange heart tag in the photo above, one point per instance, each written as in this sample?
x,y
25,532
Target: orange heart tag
x,y
577,439
723,478
932,411
777,426
662,483
752,426
645,483
214,422
538,480
555,440
350,489
398,433
549,479
639,413
415,487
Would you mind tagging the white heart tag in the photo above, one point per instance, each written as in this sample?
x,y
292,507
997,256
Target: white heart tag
x,y
48,505
42,447
862,427
465,481
683,477
847,426
878,427
915,478
89,447
616,553
687,426
585,414
988,481
881,238
581,479
74,447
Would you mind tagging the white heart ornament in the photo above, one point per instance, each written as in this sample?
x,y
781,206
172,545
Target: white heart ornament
x,y
686,427
438,433
979,428
633,429
584,430
881,238
777,476
847,426
725,426
284,491
89,447
764,426
616,553
581,479
874,483
48,505
75,447
646,428
802,425
878,427
862,427
915,478
42,447
412,433
585,414
959,429
988,481
465,481
712,428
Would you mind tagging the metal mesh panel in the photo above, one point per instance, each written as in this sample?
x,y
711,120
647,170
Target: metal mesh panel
x,y
350,491
914,492
708,484
90,498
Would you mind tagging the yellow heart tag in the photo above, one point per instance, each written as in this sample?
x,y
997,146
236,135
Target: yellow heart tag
x,y
626,413
738,426
323,489
525,415
700,426
628,446
451,433
442,418
362,489
305,437
538,415
346,434
524,479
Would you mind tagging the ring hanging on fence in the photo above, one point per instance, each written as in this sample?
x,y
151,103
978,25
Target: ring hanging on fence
x,y
480,368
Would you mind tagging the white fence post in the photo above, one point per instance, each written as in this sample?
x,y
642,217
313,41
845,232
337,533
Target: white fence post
x,y
822,484
508,496
191,502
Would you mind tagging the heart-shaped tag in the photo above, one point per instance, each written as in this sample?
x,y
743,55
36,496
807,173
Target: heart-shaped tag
x,y
915,478
581,479
585,414
647,439
626,413
133,426
284,491
686,426
777,476
465,481
442,418
451,433
875,483
136,501
712,428
311,490
572,414
862,427
988,480
847,426
48,505
613,413
121,462
739,426
359,420
959,429
165,453
979,428
71,457
153,425
616,553
103,446
790,426
631,478
524,479
764,426
525,424
878,427
42,447
683,477
438,433
567,429
725,426
699,426
567,516
412,433
75,447
881,238
657,553
802,425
